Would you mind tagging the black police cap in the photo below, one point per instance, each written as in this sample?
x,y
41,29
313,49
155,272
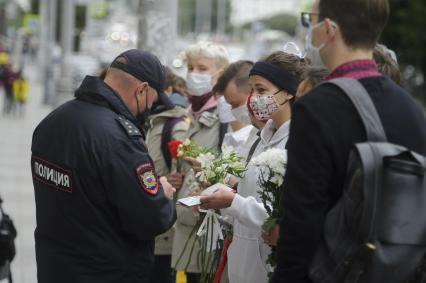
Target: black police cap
x,y
146,67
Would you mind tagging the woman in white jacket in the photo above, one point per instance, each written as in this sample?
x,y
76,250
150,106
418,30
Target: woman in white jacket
x,y
273,83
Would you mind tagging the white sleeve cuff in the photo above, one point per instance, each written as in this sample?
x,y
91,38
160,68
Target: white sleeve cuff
x,y
236,206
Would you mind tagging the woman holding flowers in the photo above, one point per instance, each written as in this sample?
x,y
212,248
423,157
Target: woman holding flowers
x,y
206,62
273,83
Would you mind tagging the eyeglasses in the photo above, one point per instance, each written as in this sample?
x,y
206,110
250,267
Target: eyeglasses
x,y
306,18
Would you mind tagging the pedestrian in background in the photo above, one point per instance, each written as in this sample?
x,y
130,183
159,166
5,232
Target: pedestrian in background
x,y
178,90
20,89
8,76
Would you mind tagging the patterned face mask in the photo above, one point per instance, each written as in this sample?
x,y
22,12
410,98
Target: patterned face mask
x,y
263,106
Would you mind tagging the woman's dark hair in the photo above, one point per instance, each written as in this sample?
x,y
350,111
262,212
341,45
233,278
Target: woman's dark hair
x,y
170,78
386,64
315,75
293,64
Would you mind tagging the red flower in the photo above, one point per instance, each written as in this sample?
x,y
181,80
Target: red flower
x,y
173,146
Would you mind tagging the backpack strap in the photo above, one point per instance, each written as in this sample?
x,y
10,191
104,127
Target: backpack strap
x,y
166,137
360,98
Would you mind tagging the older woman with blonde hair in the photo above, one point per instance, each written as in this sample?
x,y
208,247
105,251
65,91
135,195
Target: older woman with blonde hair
x,y
206,62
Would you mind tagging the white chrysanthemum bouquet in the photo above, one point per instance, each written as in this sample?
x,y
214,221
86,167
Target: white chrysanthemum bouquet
x,y
272,165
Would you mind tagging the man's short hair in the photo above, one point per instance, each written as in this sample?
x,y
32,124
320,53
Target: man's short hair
x,y
360,21
237,72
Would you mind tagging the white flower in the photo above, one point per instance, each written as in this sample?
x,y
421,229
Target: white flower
x,y
205,159
201,176
277,179
180,151
187,142
209,174
272,158
227,152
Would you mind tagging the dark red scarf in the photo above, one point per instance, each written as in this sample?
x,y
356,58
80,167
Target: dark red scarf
x,y
197,102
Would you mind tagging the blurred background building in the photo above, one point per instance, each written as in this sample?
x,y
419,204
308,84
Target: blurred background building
x,y
100,29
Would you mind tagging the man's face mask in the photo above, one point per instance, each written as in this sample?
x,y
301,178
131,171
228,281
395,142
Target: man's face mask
x,y
241,114
312,52
224,111
142,116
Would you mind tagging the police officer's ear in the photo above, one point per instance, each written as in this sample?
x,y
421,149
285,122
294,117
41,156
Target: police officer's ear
x,y
142,89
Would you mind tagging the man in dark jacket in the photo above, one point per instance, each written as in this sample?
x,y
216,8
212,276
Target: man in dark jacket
x,y
325,124
99,202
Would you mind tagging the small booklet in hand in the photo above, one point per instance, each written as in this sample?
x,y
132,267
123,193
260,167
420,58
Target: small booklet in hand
x,y
195,200
189,201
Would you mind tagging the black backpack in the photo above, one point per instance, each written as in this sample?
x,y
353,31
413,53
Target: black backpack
x,y
377,230
7,245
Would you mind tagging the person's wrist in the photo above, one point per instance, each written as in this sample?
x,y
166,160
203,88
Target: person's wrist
x,y
230,198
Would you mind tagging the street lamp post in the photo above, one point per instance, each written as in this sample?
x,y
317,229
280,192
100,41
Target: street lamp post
x,y
47,42
158,27
203,16
65,84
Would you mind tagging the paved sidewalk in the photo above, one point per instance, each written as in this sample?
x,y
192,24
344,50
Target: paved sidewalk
x,y
15,176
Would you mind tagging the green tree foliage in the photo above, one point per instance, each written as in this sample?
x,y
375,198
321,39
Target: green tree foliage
x,y
284,22
186,15
405,33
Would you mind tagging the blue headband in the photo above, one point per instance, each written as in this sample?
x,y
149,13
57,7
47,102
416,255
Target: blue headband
x,y
276,75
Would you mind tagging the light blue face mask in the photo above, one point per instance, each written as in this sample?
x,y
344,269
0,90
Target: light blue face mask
x,y
312,52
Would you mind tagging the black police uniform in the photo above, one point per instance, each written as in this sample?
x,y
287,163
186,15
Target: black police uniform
x,y
99,203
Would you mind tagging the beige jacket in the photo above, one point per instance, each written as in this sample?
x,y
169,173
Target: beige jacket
x,y
164,242
204,130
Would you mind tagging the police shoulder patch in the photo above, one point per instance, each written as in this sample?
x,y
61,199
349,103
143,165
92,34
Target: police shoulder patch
x,y
130,128
147,177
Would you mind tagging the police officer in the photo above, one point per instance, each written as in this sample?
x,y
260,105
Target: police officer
x,y
99,202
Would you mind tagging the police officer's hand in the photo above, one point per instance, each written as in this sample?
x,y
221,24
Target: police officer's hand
x,y
176,179
169,190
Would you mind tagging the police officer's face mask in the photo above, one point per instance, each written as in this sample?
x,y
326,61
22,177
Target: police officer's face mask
x,y
142,116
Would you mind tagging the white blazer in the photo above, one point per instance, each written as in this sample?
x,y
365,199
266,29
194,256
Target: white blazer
x,y
247,253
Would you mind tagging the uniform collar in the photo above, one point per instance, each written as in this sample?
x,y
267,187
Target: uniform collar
x,y
357,69
96,91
